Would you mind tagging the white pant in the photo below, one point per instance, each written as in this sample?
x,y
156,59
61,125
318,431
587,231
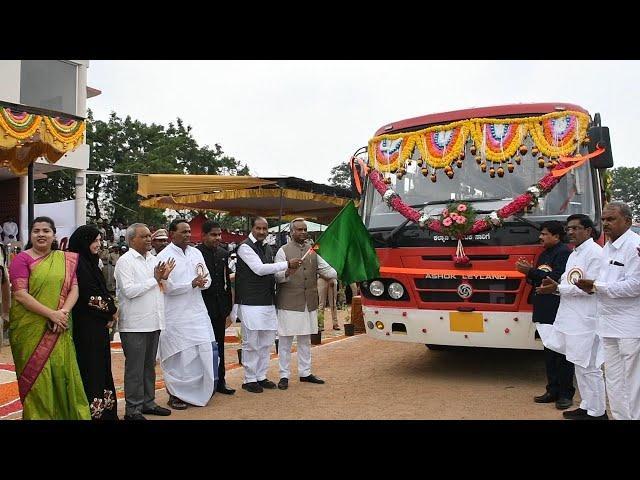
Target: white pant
x,y
622,374
304,355
591,385
256,353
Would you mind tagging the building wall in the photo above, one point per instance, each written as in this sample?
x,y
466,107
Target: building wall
x,y
78,160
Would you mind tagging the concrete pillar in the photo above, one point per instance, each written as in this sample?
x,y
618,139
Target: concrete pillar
x,y
24,200
81,198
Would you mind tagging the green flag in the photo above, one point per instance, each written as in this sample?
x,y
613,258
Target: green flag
x,y
347,246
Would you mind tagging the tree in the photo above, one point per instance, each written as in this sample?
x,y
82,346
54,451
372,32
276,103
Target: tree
x,y
130,147
341,175
626,187
57,187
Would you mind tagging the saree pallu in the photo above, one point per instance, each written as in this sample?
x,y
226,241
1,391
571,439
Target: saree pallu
x,y
57,392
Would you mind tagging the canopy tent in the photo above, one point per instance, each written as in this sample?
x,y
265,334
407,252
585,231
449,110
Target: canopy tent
x,y
286,197
311,227
161,184
29,133
196,231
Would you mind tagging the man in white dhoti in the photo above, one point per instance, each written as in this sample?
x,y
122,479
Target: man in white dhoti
x,y
187,343
297,303
617,289
255,297
574,331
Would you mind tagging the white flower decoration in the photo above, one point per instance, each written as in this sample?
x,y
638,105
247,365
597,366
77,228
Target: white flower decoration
x,y
494,219
533,190
388,196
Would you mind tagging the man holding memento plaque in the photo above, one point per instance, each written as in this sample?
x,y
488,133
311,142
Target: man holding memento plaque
x,y
574,331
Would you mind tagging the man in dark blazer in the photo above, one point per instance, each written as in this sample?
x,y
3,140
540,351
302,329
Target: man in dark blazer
x,y
217,297
551,263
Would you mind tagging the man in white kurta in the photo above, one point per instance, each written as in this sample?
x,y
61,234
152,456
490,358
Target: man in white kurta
x,y
297,303
187,342
574,331
255,297
617,289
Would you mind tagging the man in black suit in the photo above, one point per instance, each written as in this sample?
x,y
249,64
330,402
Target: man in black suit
x,y
217,297
551,263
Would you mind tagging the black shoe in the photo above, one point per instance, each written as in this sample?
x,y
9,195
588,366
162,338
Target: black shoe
x,y
266,383
311,379
225,390
283,384
252,387
563,403
176,403
545,398
578,413
134,416
604,416
157,410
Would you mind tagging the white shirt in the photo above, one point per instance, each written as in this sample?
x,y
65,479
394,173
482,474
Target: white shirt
x,y
618,288
258,317
187,321
141,301
291,322
577,310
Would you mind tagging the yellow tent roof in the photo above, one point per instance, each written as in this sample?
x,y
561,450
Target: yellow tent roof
x,y
256,201
161,184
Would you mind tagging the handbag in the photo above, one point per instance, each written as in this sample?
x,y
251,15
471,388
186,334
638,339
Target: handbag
x,y
103,303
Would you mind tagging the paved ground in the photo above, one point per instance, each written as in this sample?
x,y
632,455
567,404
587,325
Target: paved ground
x,y
372,379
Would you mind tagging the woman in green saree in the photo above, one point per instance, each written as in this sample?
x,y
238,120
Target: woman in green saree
x,y
43,281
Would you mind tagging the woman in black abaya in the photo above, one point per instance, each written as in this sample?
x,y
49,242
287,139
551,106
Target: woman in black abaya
x,y
93,315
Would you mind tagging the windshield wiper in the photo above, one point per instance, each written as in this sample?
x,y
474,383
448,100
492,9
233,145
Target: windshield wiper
x,y
528,222
388,238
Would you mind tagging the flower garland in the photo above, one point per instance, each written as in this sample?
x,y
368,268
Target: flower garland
x,y
498,140
472,225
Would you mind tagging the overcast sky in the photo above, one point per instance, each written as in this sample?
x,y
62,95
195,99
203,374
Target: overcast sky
x,y
301,118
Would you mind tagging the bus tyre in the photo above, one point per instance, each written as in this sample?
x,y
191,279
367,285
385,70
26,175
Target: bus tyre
x,y
431,346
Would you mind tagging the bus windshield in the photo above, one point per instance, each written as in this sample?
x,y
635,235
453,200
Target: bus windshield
x,y
573,194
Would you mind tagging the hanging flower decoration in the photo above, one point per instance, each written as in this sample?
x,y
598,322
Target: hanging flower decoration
x,y
494,139
459,223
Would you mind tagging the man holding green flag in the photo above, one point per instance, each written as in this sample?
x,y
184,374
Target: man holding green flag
x,y
347,246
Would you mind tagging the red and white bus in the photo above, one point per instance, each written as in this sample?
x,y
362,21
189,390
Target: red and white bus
x,y
487,158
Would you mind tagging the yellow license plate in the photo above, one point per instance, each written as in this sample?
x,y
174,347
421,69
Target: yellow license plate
x,y
466,322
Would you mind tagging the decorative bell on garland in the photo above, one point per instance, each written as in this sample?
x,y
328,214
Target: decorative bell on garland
x,y
510,167
433,177
400,173
424,171
478,159
518,159
473,150
483,167
459,163
419,162
461,156
500,172
492,172
387,180
541,162
535,151
523,149
449,173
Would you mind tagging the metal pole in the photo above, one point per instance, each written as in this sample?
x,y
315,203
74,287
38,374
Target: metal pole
x,y
30,194
279,219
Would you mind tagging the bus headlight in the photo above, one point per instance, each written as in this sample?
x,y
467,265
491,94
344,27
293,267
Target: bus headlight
x,y
396,291
376,288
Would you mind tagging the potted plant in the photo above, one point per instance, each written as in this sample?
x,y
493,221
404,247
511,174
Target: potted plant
x,y
316,338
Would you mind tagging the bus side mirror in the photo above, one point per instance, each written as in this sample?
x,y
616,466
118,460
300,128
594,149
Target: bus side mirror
x,y
600,138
